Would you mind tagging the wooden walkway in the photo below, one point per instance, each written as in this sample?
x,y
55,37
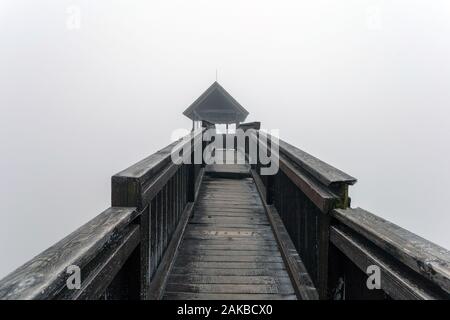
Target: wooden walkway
x,y
228,250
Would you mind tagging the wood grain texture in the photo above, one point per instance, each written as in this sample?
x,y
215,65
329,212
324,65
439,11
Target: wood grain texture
x,y
140,183
397,281
426,258
320,170
229,254
302,283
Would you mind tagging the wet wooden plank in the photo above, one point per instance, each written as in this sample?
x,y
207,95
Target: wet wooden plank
x,y
232,265
230,288
226,296
209,257
231,252
201,279
228,247
235,171
230,241
229,272
230,220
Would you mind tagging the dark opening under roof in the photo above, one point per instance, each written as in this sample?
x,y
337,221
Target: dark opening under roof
x,y
216,105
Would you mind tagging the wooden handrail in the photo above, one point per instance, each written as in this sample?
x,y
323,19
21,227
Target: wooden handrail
x,y
416,260
120,250
99,248
312,200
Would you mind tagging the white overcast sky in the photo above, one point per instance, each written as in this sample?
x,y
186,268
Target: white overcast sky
x,y
363,85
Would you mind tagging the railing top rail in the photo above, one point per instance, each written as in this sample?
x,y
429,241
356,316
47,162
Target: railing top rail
x,y
136,185
322,171
147,167
421,255
44,276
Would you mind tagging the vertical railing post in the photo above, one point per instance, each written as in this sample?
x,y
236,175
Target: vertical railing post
x,y
126,193
145,253
191,174
323,242
257,153
203,142
269,178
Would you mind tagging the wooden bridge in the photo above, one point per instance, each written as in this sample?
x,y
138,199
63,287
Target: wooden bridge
x,y
226,231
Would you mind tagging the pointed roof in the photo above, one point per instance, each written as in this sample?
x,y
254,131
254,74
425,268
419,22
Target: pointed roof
x,y
216,105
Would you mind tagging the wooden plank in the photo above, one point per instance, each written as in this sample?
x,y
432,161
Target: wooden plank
x,y
214,237
209,257
213,212
199,279
229,272
234,265
230,241
228,220
218,252
224,296
423,256
111,263
230,288
234,245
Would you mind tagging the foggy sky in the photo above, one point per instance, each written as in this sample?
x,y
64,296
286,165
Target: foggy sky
x,y
363,85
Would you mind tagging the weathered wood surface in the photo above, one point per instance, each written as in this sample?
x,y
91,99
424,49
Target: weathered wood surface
x,y
303,192
229,254
322,171
426,258
300,277
44,277
228,170
249,125
396,281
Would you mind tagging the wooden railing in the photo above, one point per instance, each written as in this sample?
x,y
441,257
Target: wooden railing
x,y
123,252
328,247
410,266
337,244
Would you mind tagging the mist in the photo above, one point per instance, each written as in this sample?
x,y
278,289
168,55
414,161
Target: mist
x,y
87,88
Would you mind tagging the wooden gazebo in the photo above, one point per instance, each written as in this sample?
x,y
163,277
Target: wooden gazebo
x,y
216,106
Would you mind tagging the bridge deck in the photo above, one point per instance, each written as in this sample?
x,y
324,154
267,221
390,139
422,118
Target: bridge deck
x,y
228,250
